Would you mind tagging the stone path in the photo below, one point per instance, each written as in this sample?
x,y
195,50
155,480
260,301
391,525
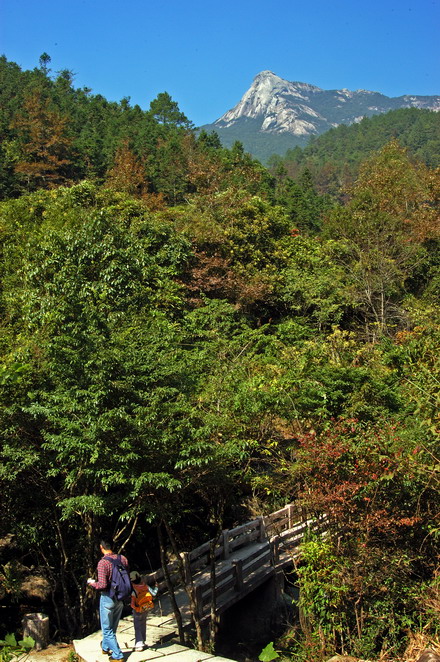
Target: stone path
x,y
162,642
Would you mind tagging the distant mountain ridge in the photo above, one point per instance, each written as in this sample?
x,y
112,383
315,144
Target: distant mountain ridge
x,y
276,114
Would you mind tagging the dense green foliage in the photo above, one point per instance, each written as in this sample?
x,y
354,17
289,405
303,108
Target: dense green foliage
x,y
187,340
10,648
261,144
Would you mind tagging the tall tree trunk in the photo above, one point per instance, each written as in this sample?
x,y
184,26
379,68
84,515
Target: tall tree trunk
x,y
188,584
176,610
213,623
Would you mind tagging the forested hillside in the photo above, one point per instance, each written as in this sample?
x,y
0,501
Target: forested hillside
x,y
334,157
188,340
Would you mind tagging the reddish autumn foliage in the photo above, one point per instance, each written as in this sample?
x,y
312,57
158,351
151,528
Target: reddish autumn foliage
x,y
362,477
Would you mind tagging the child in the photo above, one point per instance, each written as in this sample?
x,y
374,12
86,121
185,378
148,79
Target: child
x,y
141,602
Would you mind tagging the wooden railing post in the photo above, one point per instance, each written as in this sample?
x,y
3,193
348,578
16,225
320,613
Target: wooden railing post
x,y
198,595
262,530
238,574
186,567
290,511
275,547
225,535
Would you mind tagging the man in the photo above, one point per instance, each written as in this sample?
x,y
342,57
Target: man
x,y
110,609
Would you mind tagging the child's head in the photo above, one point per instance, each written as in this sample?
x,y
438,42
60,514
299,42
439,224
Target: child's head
x,y
135,577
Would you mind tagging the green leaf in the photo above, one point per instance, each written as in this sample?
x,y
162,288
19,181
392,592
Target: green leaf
x,y
27,643
268,653
9,640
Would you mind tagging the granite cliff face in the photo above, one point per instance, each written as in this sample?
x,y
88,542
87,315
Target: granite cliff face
x,y
302,109
282,106
280,112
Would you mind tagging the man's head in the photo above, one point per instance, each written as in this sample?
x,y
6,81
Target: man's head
x,y
106,545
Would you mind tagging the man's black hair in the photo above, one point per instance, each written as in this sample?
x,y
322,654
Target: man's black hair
x,y
106,543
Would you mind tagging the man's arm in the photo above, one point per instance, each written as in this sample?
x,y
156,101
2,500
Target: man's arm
x,y
104,575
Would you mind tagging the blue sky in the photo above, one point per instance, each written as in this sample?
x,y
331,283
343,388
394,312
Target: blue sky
x,y
206,54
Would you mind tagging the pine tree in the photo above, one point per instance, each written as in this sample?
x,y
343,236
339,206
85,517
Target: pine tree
x,y
127,173
43,141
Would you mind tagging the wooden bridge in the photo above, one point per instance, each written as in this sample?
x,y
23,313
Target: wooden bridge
x,y
245,557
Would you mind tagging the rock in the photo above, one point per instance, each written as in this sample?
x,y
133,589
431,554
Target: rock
x,y
35,587
428,655
37,626
53,653
343,658
7,542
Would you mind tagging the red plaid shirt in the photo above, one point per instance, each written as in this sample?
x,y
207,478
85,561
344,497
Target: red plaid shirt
x,y
104,570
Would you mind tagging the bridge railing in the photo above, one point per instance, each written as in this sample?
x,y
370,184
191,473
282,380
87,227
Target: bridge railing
x,y
282,520
229,541
246,573
232,579
278,529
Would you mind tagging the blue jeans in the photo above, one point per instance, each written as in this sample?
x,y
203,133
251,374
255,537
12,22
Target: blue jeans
x,y
109,613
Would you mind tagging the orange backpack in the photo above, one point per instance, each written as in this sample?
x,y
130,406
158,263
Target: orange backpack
x,y
142,599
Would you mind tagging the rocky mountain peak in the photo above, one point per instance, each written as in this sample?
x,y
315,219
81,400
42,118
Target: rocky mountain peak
x,y
281,112
277,101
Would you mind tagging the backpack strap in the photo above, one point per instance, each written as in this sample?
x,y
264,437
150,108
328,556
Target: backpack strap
x,y
116,561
